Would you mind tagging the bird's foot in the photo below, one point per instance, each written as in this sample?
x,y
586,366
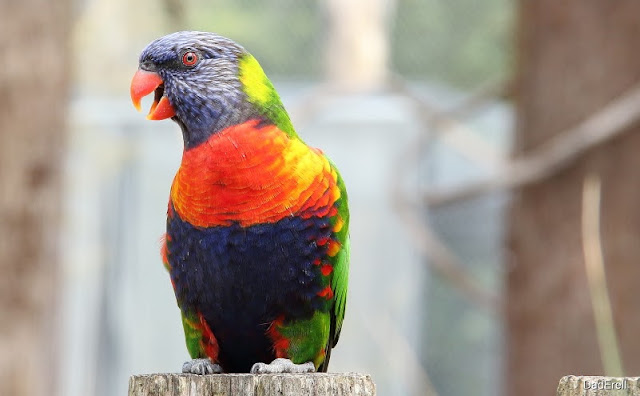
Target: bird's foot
x,y
280,365
201,366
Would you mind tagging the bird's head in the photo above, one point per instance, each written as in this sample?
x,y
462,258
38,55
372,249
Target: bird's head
x,y
204,82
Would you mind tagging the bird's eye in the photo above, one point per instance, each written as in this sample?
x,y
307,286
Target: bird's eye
x,y
189,58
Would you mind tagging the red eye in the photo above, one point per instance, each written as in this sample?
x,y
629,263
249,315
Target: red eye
x,y
189,58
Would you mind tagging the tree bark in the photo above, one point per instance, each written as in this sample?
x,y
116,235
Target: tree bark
x,y
358,43
574,57
33,80
317,384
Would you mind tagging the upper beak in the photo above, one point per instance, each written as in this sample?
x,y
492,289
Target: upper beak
x,y
143,83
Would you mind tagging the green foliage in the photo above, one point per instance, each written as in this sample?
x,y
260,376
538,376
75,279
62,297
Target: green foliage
x,y
462,42
284,35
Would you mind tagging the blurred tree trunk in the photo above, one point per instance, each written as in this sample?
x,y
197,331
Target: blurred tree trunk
x,y
33,96
358,43
574,57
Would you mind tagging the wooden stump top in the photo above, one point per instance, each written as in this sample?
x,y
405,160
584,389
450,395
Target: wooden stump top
x,y
315,384
572,385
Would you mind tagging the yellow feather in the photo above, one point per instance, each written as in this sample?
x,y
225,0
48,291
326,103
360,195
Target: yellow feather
x,y
254,80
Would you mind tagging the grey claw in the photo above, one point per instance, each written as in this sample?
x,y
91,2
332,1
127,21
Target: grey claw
x,y
201,367
280,365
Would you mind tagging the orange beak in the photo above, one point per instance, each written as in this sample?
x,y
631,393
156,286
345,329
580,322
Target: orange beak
x,y
145,82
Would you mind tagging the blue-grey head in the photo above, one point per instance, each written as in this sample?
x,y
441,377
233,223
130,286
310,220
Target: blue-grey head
x,y
195,79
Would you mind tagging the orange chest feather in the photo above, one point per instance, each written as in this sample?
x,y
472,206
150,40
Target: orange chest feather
x,y
251,175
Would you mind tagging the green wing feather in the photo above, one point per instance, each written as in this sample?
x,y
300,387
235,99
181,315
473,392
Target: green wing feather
x,y
340,275
339,284
340,262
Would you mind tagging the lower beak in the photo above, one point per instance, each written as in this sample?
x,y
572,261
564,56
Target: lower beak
x,y
145,82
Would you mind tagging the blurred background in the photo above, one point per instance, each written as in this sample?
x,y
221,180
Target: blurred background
x,y
489,150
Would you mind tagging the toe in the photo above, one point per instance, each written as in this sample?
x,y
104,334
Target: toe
x,y
201,367
186,367
307,367
282,366
258,368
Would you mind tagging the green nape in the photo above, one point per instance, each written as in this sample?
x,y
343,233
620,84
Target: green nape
x,y
307,338
192,336
260,91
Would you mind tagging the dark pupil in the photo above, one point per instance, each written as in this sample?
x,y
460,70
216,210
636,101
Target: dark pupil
x,y
190,58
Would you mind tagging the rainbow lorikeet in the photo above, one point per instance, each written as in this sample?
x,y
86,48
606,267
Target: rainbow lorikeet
x,y
257,243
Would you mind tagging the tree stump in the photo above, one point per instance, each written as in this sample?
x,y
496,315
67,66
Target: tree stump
x,y
315,384
572,385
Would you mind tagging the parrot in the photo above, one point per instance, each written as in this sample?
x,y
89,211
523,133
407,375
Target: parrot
x,y
257,230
